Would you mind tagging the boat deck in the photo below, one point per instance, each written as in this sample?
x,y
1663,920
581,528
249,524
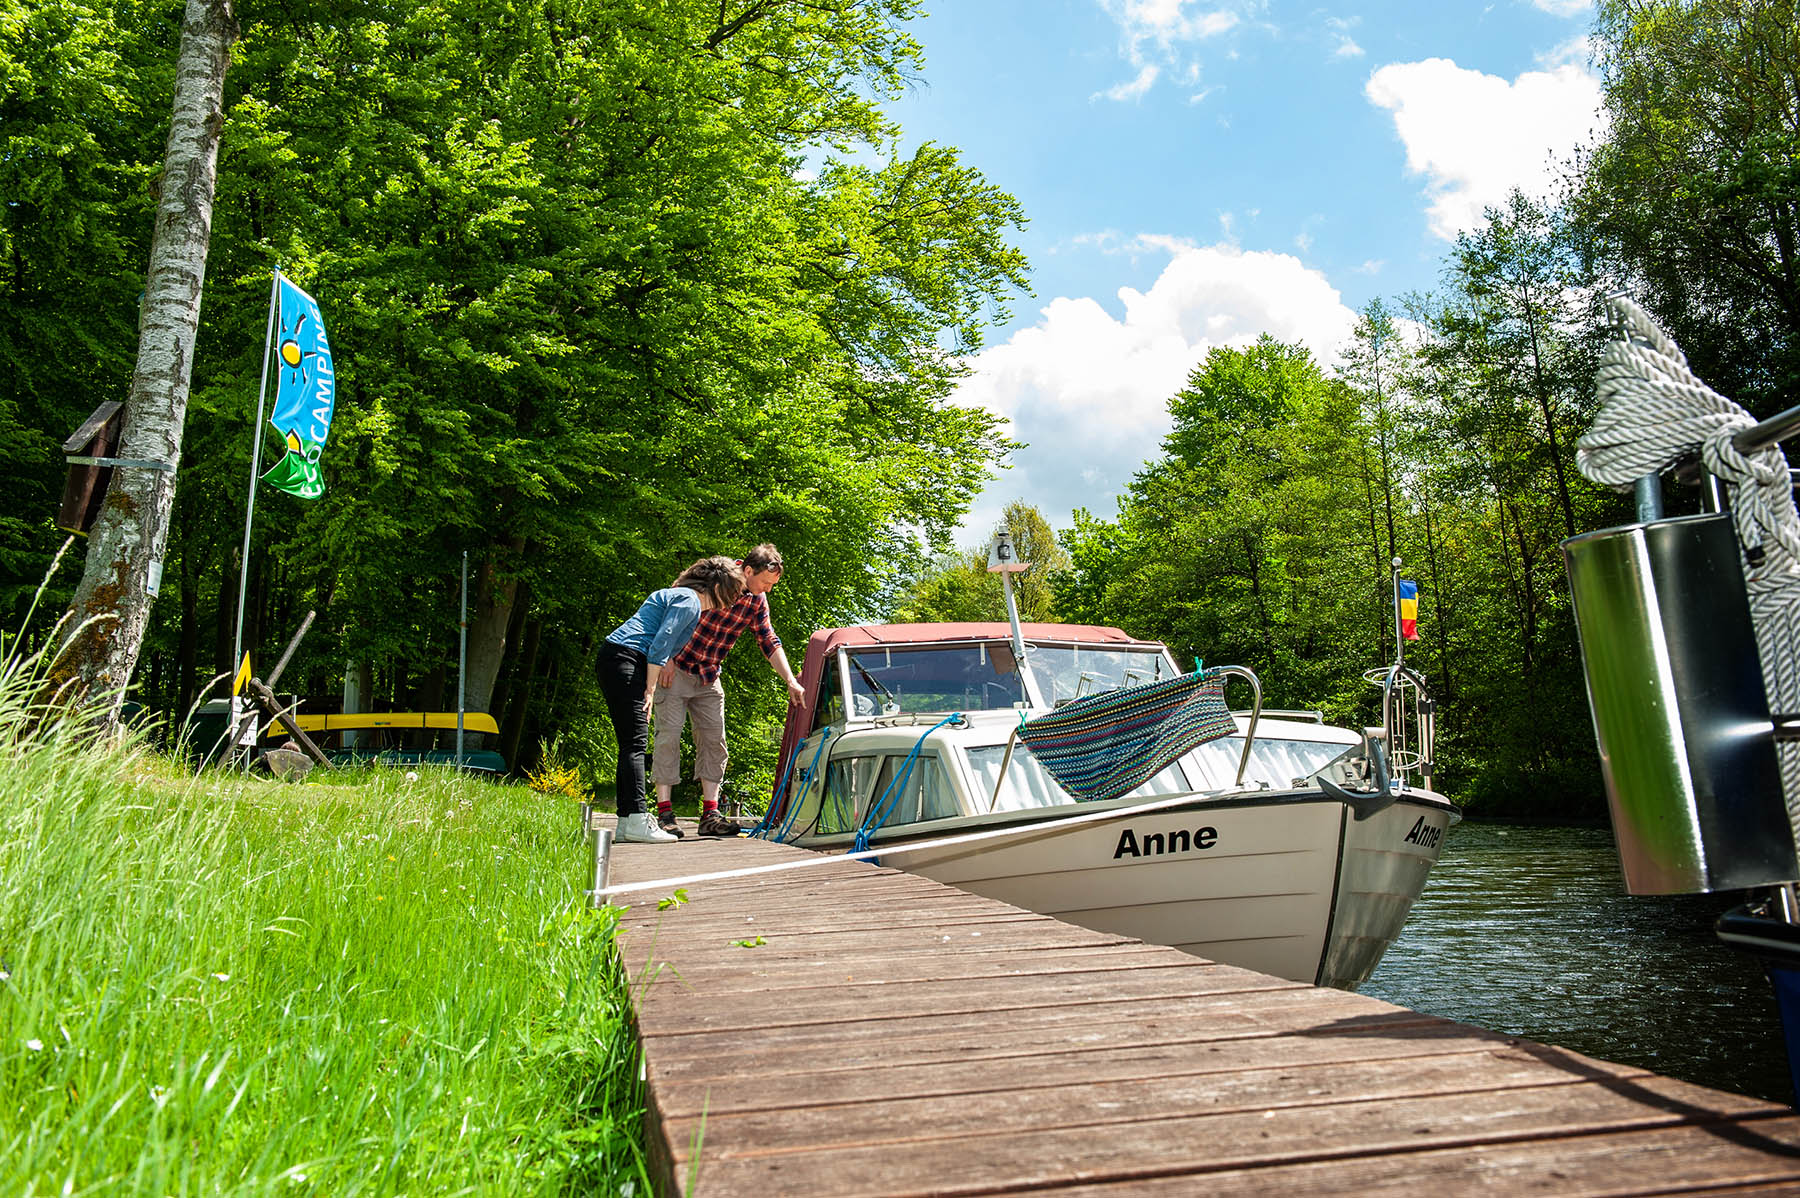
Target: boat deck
x,y
891,1035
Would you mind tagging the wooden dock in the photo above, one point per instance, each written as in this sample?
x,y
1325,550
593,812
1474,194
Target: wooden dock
x,y
853,1030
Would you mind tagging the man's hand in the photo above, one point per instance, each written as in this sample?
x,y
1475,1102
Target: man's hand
x,y
666,678
796,693
649,698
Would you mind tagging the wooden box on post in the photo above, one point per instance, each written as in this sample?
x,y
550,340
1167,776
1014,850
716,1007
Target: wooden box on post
x,y
85,490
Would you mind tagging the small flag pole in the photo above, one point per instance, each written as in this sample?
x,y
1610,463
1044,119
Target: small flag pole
x,y
256,438
462,658
1399,633
237,645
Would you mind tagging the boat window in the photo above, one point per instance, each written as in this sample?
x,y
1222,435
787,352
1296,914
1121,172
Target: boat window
x,y
830,707
926,795
1029,785
1277,761
846,789
981,676
1067,672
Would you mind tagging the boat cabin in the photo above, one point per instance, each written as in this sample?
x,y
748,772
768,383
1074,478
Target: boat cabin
x,y
918,723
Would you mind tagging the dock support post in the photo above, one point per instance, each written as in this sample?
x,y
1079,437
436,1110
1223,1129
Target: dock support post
x,y
603,839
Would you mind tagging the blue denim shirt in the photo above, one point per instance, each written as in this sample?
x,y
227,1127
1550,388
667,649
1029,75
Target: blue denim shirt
x,y
661,626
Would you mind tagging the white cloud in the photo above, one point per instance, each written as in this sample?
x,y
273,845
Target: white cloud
x,y
1475,137
1563,8
1166,23
1337,29
1156,34
1089,391
1131,89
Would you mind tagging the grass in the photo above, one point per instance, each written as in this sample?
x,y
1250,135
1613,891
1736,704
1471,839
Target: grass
x,y
358,984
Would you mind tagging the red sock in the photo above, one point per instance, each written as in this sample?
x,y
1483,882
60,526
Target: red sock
x,y
708,805
662,807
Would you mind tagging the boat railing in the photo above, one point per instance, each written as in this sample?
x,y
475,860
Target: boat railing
x,y
1256,712
1407,720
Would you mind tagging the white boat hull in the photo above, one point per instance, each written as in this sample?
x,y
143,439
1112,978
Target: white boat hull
x,y
1285,883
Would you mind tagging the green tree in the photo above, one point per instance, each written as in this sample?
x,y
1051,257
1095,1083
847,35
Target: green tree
x,y
1694,189
83,105
957,587
1240,543
110,611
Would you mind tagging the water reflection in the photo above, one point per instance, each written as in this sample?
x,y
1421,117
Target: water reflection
x,y
1528,930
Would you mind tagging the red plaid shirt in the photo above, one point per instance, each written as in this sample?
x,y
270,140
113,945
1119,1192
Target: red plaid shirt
x,y
718,631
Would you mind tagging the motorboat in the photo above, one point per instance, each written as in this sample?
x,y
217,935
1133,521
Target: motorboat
x,y
1288,845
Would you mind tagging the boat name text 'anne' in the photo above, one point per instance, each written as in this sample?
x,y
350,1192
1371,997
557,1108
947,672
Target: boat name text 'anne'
x,y
1156,843
1424,835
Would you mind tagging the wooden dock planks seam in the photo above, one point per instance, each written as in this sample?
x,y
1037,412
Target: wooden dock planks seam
x,y
851,1030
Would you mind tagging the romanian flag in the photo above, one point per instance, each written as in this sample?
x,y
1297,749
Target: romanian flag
x,y
1408,593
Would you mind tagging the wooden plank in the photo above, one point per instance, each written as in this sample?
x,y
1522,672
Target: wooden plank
x,y
845,1074
1261,1074
1752,1159
1066,1151
1019,1101
957,1035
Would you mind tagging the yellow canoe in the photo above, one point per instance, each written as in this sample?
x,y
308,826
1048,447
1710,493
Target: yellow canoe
x,y
473,721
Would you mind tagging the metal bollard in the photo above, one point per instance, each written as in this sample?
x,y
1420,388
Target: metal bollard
x,y
603,840
586,812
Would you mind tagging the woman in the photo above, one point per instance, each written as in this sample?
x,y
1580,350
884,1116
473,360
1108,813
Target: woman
x,y
631,657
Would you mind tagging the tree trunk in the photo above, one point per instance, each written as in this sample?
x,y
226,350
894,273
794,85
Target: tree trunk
x,y
111,608
489,622
519,696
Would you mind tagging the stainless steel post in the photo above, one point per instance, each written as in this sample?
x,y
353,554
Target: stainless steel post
x,y
603,841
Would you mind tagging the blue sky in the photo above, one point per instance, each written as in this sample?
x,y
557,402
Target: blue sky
x,y
1197,172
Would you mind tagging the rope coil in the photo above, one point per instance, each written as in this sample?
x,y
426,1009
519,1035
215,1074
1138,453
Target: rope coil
x,y
1655,412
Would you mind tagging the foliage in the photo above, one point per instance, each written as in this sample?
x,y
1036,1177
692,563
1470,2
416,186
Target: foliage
x,y
1693,192
1239,545
957,586
608,288
360,984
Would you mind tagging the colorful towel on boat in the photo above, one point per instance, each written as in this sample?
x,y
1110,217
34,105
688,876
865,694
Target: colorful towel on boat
x,y
1110,744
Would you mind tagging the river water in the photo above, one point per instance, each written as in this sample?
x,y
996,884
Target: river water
x,y
1528,930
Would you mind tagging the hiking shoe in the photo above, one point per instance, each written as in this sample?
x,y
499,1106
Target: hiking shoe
x,y
666,821
713,823
638,828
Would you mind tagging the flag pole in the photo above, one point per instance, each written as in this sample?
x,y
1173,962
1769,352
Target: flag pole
x,y
256,438
1399,635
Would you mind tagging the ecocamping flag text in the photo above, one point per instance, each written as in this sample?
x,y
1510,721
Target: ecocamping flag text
x,y
304,393
1408,594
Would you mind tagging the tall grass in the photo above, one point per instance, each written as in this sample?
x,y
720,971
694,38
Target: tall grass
x,y
354,985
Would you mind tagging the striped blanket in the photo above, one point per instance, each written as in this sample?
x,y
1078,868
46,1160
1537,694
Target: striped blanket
x,y
1110,744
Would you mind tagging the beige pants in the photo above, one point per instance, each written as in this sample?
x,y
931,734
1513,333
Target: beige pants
x,y
689,700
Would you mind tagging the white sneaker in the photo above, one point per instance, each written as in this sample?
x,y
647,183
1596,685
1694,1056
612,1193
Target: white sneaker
x,y
639,828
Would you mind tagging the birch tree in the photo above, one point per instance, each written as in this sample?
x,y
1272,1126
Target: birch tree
x,y
111,608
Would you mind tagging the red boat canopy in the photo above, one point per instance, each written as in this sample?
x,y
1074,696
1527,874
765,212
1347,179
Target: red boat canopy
x,y
824,645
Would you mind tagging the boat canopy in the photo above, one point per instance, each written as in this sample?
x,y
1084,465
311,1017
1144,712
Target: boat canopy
x,y
822,648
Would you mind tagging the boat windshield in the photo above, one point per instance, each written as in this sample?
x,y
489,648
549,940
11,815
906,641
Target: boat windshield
x,y
984,675
1071,671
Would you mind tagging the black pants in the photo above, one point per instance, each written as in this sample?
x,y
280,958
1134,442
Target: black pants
x,y
622,673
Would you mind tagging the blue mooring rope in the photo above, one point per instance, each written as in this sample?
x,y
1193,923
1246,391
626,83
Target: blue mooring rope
x,y
793,809
884,806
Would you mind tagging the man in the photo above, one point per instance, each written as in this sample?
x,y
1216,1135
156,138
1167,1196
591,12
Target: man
x,y
690,691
